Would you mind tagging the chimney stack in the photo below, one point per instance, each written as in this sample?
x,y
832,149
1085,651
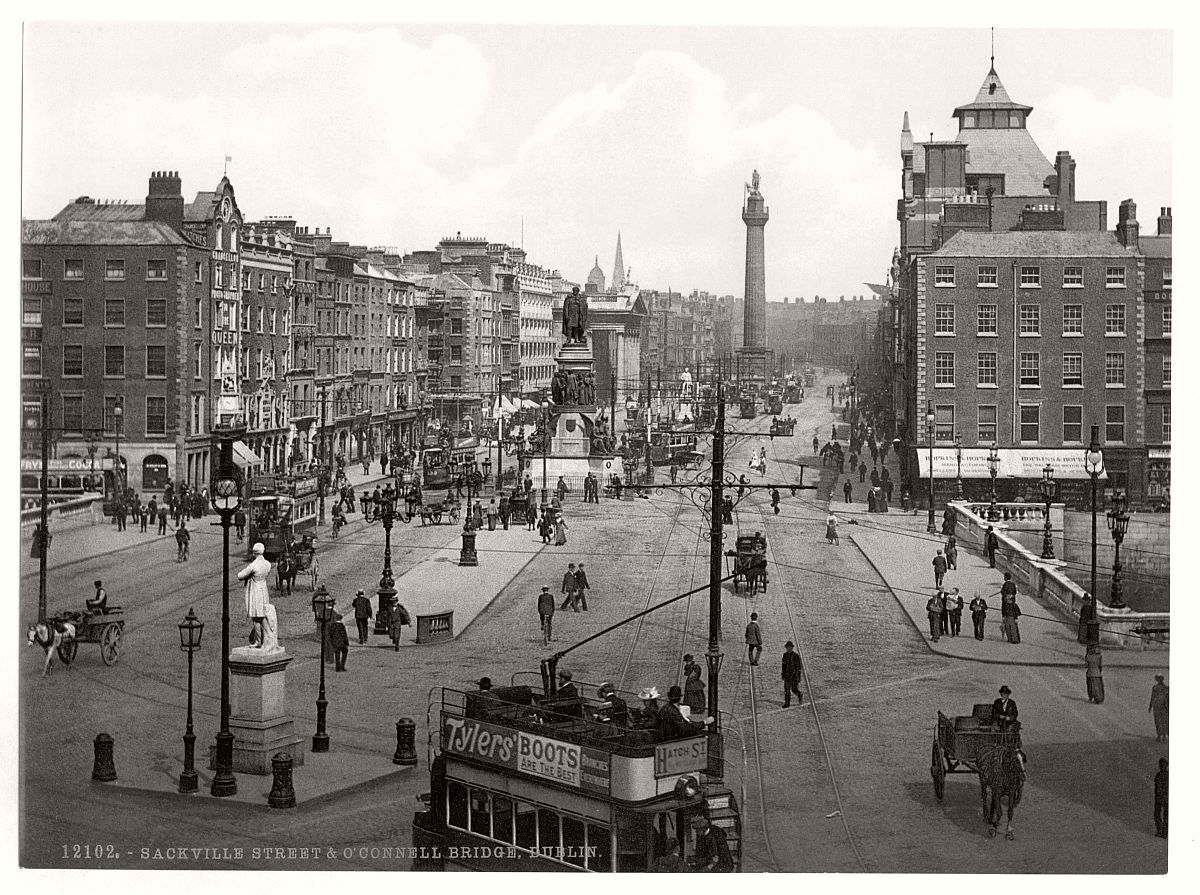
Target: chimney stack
x,y
164,201
1164,221
1127,225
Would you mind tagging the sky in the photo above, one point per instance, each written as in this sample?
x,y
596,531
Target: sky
x,y
557,137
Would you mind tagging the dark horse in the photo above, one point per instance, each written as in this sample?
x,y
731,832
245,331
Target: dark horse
x,y
285,569
1002,775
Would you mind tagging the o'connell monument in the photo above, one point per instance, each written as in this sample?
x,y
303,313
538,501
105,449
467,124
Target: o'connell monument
x,y
753,366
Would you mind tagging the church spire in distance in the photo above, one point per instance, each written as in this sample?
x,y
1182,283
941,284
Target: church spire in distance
x,y
618,276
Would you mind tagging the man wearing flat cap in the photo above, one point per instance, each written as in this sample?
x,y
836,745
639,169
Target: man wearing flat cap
x,y
712,848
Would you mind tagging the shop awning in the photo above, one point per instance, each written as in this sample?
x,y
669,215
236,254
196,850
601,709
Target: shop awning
x,y
243,456
1015,463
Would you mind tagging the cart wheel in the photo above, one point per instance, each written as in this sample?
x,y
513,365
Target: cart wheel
x,y
67,651
110,644
937,770
437,518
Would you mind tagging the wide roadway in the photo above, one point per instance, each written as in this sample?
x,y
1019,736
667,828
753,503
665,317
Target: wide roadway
x,y
845,789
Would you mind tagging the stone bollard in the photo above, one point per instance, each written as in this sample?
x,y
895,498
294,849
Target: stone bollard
x,y
468,556
406,733
103,770
283,794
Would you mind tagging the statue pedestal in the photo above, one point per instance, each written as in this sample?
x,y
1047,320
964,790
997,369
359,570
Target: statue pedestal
x,y
259,720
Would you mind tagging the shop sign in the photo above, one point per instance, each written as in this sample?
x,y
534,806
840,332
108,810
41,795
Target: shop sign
x,y
680,757
526,753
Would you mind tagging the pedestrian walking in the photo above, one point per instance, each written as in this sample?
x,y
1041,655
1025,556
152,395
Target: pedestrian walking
x,y
492,514
505,511
477,516
831,530
1095,674
582,586
991,544
874,478
847,490
362,615
939,569
775,500
162,519
862,472
561,489
560,530
239,522
1009,610
949,520
1161,787
753,639
545,607
122,515
1159,699
143,517
979,608
954,607
399,618
531,511
1087,614
546,526
816,445
693,693
792,672
568,588
689,663
888,486
952,553
183,538
934,607
339,640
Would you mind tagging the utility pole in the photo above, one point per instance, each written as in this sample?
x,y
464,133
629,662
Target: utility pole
x,y
714,655
44,528
325,460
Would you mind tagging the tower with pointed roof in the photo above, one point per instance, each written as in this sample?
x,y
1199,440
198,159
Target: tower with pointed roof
x,y
595,279
618,277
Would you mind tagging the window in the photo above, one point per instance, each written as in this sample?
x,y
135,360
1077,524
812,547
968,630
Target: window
x,y
985,320
156,415
72,413
1031,320
274,283
943,320
262,282
72,360
114,361
987,423
1166,379
114,312
455,326
943,368
197,361
260,320
1031,278
273,318
1031,369
1114,369
199,314
1166,320
156,270
1114,277
31,310
219,276
73,269
111,403
943,422
1166,423
1072,374
987,275
156,361
987,368
199,271
943,275
1114,320
31,268
1166,277
31,360
1072,277
114,269
1072,320
1073,424
455,354
1114,423
156,312
1031,423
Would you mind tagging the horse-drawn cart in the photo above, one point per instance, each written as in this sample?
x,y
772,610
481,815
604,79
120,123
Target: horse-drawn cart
x,y
782,428
432,512
748,563
106,628
972,744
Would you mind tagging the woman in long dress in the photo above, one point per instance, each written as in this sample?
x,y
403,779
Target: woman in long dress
x,y
256,592
560,530
831,532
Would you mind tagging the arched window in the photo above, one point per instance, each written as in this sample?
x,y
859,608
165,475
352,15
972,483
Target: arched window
x,y
233,237
154,473
220,239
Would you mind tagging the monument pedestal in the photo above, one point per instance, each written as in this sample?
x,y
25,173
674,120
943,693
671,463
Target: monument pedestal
x,y
259,720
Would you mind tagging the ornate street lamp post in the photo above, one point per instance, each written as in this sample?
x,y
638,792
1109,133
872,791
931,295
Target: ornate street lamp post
x,y
958,489
993,469
322,606
226,499
191,629
545,450
487,471
1118,525
1049,489
931,526
385,511
1093,464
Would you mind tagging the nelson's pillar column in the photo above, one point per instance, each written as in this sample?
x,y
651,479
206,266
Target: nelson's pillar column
x,y
752,363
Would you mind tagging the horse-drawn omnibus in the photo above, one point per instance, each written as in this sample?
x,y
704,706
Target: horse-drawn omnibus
x,y
524,778
278,508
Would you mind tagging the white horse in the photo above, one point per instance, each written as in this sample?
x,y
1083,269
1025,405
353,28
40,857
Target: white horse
x,y
50,639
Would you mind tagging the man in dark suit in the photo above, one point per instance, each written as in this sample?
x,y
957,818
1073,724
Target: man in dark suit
x,y
792,670
991,544
712,849
581,587
566,686
671,723
1004,710
615,710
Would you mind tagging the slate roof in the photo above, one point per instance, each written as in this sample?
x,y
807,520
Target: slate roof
x,y
88,232
1033,244
992,95
106,211
1008,151
1155,246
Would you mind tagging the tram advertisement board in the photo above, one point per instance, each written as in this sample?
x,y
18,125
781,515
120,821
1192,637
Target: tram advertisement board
x,y
538,756
680,756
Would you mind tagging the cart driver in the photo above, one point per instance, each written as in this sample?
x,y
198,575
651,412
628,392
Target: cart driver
x,y
1004,711
99,602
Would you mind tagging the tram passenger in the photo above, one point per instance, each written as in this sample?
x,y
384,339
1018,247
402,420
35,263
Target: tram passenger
x,y
566,686
647,715
712,848
614,710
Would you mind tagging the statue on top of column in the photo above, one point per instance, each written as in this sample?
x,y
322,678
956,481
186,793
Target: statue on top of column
x,y
754,181
575,311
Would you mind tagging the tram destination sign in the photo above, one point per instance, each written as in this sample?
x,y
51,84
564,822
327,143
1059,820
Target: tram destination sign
x,y
526,753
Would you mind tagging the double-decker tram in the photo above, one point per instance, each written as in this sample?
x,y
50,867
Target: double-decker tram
x,y
279,507
526,778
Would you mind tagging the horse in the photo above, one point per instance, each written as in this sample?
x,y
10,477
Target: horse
x,y
286,568
1001,776
50,639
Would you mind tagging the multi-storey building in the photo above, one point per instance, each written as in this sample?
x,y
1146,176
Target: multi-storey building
x,y
1156,249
